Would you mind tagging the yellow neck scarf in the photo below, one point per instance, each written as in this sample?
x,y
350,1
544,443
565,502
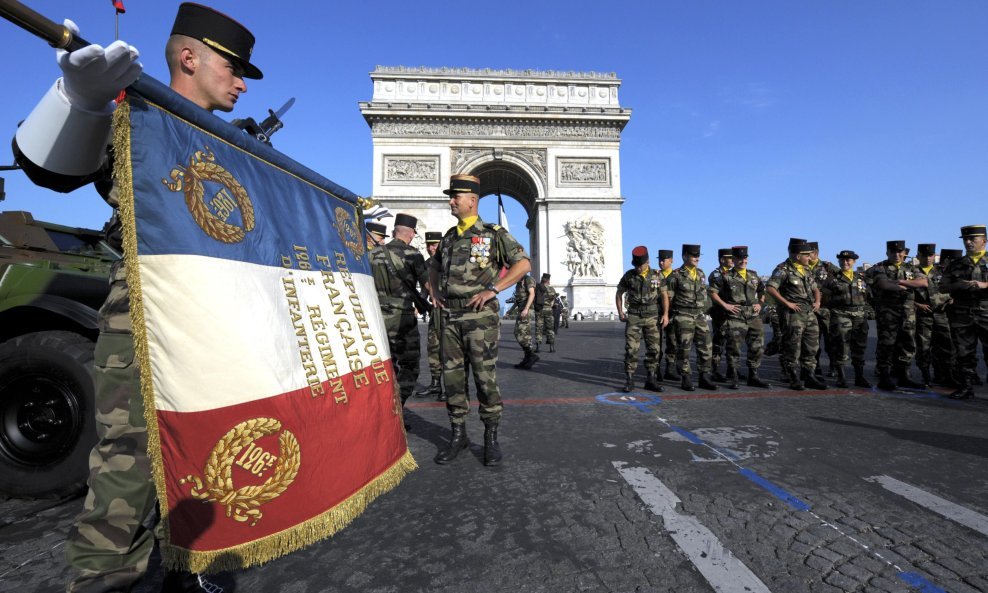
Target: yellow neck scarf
x,y
463,225
849,274
800,269
665,273
743,272
644,272
926,270
692,271
977,255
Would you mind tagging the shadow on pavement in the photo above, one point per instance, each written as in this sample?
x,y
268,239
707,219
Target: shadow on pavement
x,y
969,445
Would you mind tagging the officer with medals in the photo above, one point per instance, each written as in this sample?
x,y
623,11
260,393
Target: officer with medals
x,y
740,294
966,279
647,300
845,295
465,283
435,388
63,145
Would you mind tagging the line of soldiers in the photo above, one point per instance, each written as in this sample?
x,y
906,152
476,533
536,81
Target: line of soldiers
x,y
935,313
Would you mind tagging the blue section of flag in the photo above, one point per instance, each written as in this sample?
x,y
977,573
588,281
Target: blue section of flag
x,y
776,491
292,207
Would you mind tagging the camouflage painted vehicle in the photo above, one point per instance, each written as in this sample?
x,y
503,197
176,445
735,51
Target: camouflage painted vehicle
x,y
53,279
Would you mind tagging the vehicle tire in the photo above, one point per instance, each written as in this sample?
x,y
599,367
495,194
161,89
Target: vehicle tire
x,y
47,413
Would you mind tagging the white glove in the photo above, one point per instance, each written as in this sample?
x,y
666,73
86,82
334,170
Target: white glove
x,y
92,76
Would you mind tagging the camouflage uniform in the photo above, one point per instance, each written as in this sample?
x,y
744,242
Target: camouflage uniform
x,y
669,345
800,330
466,265
896,315
398,307
933,346
718,319
688,304
822,272
847,299
968,314
432,340
523,325
745,326
544,297
644,308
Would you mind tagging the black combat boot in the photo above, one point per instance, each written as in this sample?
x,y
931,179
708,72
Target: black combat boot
x,y
434,389
859,377
812,381
818,371
975,379
904,380
524,361
732,378
841,378
772,348
706,382
671,373
457,442
442,396
794,381
651,383
755,381
180,581
832,370
629,382
687,382
966,390
492,451
885,382
925,373
715,375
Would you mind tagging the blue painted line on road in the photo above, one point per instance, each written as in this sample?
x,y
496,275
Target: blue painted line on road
x,y
917,581
641,401
689,435
775,490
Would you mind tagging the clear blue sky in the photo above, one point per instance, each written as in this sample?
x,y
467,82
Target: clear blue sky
x,y
847,122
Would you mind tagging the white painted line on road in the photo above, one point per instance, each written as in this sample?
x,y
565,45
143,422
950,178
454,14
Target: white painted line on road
x,y
941,506
724,572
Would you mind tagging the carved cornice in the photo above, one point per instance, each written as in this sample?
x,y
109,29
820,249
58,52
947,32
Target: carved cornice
x,y
496,128
493,72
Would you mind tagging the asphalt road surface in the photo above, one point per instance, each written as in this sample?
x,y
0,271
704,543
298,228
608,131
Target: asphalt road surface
x,y
752,490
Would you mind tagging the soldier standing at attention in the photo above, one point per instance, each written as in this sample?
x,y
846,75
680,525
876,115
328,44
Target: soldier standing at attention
x,y
668,335
647,298
717,315
895,281
966,279
688,303
740,294
435,388
772,348
794,289
930,302
399,270
524,297
545,295
944,361
62,145
822,271
845,294
465,284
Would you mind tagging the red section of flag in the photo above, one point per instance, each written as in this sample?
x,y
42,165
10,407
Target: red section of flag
x,y
118,4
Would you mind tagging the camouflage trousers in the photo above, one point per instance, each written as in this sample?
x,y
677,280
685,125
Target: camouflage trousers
x,y
669,351
933,345
523,330
800,339
692,328
113,537
749,330
403,339
848,337
470,344
896,337
432,347
968,326
823,320
635,328
544,327
718,337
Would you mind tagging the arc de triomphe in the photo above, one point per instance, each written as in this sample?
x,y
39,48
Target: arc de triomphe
x,y
549,139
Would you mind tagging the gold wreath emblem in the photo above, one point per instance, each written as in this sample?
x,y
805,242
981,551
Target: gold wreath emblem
x,y
216,484
349,233
189,180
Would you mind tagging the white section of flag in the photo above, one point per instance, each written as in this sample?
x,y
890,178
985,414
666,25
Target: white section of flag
x,y
502,217
224,329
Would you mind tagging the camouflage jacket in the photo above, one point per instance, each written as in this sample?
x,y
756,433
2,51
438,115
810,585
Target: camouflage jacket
x,y
793,286
931,295
823,271
469,263
394,289
735,290
686,294
642,293
963,269
521,291
884,277
842,294
544,296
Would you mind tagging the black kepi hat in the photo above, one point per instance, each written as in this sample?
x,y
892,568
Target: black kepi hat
x,y
799,247
377,228
927,249
847,254
463,184
895,246
739,251
546,276
408,220
665,254
973,230
219,32
639,255
726,252
433,237
813,245
693,250
795,241
948,254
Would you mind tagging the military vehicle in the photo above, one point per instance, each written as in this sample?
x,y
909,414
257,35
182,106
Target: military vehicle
x,y
53,279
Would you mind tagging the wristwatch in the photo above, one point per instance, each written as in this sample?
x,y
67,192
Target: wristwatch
x,y
493,289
